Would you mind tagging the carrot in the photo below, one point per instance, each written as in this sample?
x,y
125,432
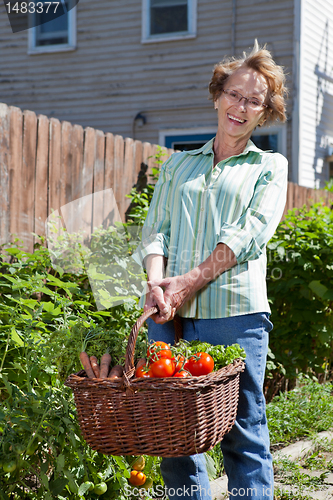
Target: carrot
x,y
105,365
95,366
84,358
116,372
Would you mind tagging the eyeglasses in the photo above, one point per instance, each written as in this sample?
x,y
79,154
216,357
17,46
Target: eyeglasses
x,y
251,102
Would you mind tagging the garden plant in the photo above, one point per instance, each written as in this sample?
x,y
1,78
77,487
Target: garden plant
x,y
48,311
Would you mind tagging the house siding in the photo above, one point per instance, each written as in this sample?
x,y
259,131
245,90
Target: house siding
x,y
316,97
112,76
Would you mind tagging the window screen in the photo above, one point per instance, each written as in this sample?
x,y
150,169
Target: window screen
x,y
266,142
52,31
168,16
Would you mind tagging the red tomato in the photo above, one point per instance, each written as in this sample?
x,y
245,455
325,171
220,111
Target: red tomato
x,y
143,372
200,364
159,350
182,374
163,368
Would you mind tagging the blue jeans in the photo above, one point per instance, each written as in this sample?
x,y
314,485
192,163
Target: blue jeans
x,y
247,459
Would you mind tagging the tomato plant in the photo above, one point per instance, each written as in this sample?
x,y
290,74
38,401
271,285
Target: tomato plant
x,y
137,478
100,488
179,361
139,463
9,466
159,350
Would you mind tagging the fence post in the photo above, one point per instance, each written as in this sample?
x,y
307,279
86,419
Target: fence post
x,y
4,174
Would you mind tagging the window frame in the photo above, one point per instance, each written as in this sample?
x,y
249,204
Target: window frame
x,y
146,37
61,47
182,135
280,131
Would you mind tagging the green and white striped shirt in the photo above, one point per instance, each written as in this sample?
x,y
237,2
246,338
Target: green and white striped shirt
x,y
239,202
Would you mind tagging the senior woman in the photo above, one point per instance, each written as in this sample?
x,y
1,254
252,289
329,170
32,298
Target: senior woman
x,y
213,211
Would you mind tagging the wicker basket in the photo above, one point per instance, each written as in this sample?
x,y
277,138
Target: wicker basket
x,y
165,417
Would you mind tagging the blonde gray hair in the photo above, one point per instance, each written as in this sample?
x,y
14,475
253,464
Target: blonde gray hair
x,y
261,60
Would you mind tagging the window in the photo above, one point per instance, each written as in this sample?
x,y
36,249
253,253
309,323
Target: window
x,y
330,167
168,20
185,140
272,138
53,34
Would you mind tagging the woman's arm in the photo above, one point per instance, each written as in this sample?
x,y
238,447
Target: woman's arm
x,y
179,289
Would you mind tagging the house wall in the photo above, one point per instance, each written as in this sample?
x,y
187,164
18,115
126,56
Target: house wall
x,y
316,96
112,76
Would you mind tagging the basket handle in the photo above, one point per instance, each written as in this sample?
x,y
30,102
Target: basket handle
x,y
130,349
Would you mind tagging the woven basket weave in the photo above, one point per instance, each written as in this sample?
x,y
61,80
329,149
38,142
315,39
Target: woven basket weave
x,y
164,417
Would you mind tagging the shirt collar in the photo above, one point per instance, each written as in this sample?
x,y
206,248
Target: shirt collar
x,y
207,148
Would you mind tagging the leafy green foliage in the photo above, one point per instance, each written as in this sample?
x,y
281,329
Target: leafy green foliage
x,y
301,412
46,316
300,268
222,355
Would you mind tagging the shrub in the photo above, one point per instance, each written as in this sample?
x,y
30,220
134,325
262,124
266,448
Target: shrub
x,y
300,271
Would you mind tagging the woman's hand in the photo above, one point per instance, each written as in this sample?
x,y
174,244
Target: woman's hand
x,y
155,298
169,294
177,291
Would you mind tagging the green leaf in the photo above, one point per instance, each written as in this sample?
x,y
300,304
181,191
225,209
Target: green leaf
x,y
58,485
84,487
8,386
318,288
210,466
16,338
44,480
61,461
328,295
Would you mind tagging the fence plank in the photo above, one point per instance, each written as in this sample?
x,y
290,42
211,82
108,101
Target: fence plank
x,y
28,178
85,206
109,161
109,201
42,167
98,201
15,170
4,174
76,148
138,161
129,171
55,173
118,174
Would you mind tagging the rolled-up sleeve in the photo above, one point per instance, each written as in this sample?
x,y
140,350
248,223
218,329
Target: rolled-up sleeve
x,y
248,235
156,229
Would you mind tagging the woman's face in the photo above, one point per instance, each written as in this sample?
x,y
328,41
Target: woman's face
x,y
236,119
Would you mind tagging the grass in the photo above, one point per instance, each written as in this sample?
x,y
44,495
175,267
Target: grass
x,y
302,412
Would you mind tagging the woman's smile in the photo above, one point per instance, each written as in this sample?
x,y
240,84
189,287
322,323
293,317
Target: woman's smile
x,y
234,118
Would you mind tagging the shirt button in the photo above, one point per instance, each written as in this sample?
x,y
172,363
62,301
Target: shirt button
x,y
202,209
199,232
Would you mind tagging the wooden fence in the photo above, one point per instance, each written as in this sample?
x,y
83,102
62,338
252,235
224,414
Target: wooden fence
x,y
45,164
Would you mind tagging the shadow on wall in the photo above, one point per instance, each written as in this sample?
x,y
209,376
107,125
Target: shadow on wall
x,y
324,110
